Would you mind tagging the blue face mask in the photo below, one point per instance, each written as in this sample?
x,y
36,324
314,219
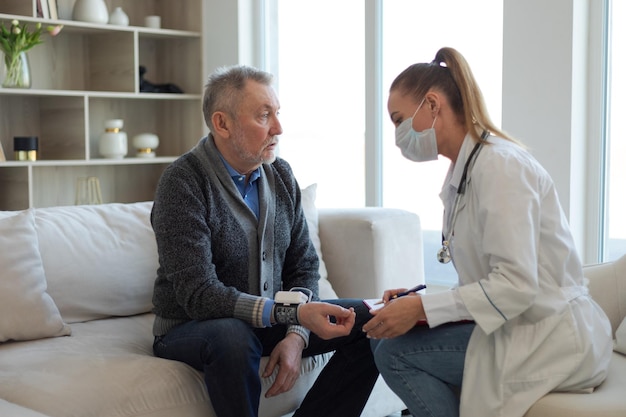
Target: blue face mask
x,y
417,146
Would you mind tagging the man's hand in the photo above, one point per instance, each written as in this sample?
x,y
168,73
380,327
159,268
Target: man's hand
x,y
315,316
287,355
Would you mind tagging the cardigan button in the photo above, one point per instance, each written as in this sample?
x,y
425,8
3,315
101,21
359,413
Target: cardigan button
x,y
263,255
265,286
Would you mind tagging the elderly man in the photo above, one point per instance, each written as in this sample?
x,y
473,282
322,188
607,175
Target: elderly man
x,y
231,233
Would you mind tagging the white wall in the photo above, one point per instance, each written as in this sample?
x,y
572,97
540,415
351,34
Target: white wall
x,y
232,34
544,92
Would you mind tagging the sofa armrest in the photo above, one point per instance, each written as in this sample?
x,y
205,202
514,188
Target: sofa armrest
x,y
368,250
607,285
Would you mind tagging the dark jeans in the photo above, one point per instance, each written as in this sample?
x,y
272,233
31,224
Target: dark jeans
x,y
229,351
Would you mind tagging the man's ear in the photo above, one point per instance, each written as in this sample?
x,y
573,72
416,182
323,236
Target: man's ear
x,y
221,124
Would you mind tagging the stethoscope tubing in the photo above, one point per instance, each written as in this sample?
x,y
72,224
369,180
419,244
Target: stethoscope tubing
x,y
443,254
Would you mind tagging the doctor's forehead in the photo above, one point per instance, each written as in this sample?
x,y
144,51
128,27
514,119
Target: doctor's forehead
x,y
398,104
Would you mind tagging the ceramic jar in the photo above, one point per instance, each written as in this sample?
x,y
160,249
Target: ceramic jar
x,y
146,143
118,17
113,142
93,11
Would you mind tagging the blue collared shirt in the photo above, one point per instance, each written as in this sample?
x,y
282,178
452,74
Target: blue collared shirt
x,y
250,191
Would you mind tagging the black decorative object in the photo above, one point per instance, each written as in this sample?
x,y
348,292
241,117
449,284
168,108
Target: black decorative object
x,y
25,148
146,86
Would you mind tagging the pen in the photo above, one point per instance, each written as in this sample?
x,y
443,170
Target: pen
x,y
407,292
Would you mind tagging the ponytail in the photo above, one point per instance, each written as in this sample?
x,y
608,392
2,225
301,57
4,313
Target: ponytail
x,y
450,73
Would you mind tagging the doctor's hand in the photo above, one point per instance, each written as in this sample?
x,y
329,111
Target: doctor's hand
x,y
389,294
397,317
315,316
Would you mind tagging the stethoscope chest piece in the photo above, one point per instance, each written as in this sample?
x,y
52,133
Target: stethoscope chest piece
x,y
443,254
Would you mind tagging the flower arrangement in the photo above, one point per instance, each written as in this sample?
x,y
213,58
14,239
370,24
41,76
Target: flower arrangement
x,y
16,40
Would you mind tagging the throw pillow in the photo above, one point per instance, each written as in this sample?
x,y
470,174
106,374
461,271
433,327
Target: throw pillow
x,y
26,310
100,260
309,194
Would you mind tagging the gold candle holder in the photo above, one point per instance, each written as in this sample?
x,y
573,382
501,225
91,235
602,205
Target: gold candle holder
x,y
25,148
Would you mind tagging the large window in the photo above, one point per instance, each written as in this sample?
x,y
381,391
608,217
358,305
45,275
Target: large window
x,y
320,82
320,68
411,33
322,55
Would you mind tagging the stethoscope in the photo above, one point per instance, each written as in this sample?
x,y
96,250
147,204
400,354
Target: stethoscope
x,y
443,254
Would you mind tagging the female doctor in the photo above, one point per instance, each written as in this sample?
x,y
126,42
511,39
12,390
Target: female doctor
x,y
520,323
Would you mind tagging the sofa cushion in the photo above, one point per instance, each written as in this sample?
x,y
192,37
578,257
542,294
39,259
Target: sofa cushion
x,y
107,369
100,260
608,399
309,194
14,410
26,310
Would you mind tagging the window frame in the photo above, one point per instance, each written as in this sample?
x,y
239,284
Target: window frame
x,y
596,186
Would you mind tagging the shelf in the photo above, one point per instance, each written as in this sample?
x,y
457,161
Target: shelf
x,y
96,94
89,73
107,57
84,28
91,162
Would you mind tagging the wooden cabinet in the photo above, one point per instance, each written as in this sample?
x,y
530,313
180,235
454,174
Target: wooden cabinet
x,y
90,73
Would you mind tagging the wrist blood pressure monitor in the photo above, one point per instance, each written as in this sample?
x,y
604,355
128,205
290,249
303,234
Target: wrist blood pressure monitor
x,y
286,304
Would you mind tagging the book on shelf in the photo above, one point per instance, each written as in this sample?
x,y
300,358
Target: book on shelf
x,y
53,9
2,157
42,9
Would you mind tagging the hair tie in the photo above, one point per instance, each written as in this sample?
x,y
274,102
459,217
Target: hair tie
x,y
439,63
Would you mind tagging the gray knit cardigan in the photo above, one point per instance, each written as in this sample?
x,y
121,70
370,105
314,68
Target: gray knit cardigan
x,y
216,260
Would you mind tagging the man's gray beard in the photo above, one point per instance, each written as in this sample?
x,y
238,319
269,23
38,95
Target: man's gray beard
x,y
270,160
243,154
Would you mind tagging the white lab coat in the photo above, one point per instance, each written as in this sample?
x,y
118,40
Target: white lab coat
x,y
521,280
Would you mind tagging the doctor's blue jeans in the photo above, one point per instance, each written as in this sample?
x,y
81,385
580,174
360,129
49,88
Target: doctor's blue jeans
x,y
424,367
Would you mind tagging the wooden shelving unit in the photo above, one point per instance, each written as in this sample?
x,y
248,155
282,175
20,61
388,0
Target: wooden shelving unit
x,y
90,73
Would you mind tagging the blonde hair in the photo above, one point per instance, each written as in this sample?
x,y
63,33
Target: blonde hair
x,y
450,74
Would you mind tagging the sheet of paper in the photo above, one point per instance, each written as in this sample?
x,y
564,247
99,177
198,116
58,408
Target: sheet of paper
x,y
373,303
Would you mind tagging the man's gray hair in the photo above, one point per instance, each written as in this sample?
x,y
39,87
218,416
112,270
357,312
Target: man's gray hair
x,y
223,91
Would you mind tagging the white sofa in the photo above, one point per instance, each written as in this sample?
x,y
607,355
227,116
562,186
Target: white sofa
x,y
607,285
89,271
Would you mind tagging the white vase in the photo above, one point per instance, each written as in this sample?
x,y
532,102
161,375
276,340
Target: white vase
x,y
118,17
113,142
93,11
145,143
